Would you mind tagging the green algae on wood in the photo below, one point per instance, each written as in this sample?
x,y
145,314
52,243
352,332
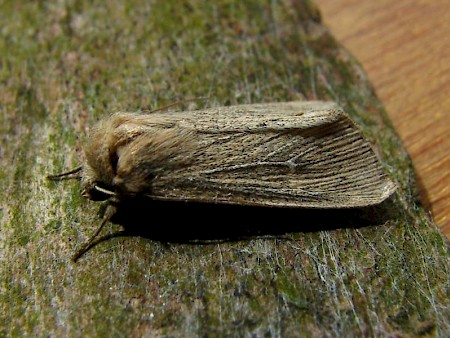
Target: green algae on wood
x,y
64,65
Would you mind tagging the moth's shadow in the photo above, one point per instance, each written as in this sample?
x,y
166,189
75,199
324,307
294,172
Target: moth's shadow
x,y
205,223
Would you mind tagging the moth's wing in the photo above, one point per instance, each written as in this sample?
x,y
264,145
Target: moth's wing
x,y
293,154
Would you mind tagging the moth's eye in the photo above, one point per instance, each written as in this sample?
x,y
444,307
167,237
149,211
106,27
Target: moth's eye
x,y
113,160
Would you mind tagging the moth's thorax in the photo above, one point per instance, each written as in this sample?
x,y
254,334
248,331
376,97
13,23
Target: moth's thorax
x,y
127,151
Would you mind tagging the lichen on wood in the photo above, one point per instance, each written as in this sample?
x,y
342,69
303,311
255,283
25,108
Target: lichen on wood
x,y
64,65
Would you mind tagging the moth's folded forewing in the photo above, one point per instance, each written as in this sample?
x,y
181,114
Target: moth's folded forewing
x,y
295,154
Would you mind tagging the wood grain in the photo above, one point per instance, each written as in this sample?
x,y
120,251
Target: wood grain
x,y
192,269
405,48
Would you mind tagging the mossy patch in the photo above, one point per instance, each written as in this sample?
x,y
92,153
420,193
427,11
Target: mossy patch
x,y
64,65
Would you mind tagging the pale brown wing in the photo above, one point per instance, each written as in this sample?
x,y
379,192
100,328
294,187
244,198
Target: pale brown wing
x,y
296,154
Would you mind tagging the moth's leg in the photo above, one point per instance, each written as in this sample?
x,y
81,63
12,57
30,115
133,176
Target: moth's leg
x,y
109,212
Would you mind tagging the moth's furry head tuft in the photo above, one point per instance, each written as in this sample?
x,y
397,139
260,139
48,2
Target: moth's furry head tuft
x,y
126,151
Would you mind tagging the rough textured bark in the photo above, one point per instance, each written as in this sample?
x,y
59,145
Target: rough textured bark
x,y
201,270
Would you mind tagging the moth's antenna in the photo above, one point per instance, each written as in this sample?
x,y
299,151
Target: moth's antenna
x,y
174,104
108,214
66,175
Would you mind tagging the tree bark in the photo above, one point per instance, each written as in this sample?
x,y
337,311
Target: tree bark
x,y
196,270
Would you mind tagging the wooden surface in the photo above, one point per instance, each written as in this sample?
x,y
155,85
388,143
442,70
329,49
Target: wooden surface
x,y
177,271
405,48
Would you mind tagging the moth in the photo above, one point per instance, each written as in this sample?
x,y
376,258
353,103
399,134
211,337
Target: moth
x,y
306,154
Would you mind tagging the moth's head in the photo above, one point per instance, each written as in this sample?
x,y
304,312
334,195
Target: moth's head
x,y
99,168
94,187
